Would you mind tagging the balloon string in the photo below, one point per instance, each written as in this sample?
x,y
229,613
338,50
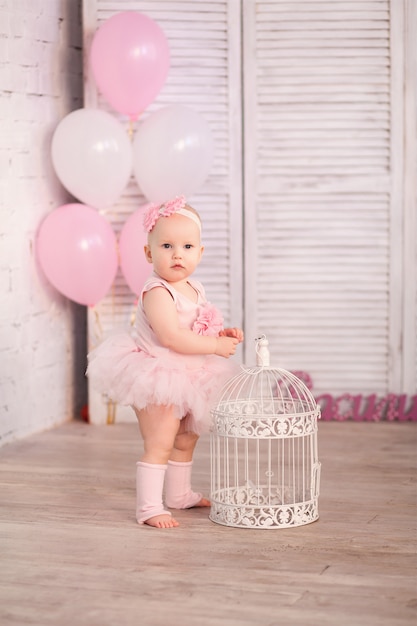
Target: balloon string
x,y
113,300
130,129
98,330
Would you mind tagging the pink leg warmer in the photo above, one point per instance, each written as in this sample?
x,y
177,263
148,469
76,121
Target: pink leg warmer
x,y
178,493
149,485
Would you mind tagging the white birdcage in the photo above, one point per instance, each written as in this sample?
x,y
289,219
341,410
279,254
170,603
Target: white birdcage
x,y
265,471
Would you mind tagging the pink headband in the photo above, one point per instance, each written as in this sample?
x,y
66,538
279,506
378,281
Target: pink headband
x,y
177,205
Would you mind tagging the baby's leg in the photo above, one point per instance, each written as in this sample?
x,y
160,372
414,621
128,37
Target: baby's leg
x,y
149,484
178,492
158,427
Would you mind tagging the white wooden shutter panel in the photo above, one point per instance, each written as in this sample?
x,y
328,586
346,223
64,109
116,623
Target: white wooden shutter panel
x,y
323,149
204,40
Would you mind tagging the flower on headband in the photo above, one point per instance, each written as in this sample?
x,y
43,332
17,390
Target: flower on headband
x,y
155,211
209,321
172,206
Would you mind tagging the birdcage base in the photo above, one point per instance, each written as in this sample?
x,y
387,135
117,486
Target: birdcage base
x,y
226,510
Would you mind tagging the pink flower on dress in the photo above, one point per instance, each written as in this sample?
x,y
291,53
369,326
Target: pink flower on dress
x,y
154,211
209,321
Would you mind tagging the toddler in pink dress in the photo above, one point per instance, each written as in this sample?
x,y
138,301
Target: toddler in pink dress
x,y
170,368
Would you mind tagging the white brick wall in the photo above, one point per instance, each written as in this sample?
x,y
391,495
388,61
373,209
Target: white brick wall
x,y
42,334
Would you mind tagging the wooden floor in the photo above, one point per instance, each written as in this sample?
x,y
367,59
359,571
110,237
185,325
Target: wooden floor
x,y
72,553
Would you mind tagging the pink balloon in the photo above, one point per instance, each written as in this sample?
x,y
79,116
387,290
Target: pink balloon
x,y
130,61
77,251
135,268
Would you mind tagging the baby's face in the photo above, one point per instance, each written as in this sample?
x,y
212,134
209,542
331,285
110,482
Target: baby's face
x,y
174,247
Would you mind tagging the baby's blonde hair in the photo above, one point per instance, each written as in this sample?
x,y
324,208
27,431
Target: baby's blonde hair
x,y
192,209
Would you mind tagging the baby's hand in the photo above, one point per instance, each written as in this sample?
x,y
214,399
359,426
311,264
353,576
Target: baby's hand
x,y
237,333
226,346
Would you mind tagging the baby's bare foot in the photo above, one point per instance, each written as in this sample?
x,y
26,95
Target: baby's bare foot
x,y
203,502
162,521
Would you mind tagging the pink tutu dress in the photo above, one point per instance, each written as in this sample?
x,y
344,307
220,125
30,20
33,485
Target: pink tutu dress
x,y
135,369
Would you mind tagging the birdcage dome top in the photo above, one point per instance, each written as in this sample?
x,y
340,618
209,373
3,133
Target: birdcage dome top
x,y
263,389
265,399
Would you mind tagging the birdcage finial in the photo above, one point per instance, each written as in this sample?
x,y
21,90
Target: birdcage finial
x,y
262,351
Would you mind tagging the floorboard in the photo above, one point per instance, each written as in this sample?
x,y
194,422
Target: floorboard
x,y
72,553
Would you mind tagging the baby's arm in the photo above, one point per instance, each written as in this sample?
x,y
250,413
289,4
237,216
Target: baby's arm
x,y
162,315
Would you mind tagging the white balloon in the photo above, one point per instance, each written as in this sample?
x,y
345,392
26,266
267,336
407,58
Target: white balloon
x,y
172,153
92,156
